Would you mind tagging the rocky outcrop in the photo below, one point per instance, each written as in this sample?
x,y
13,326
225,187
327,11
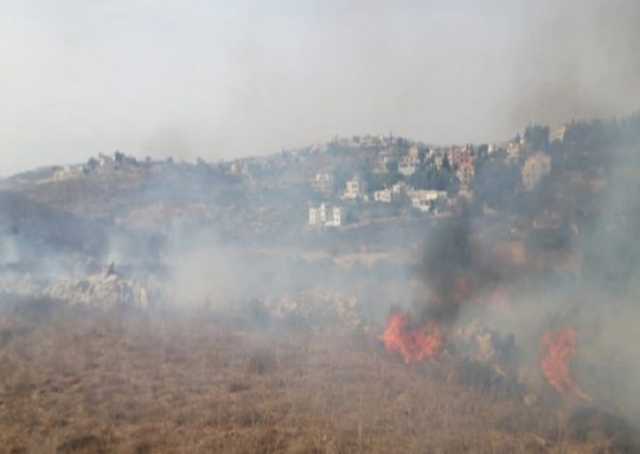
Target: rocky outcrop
x,y
106,290
103,290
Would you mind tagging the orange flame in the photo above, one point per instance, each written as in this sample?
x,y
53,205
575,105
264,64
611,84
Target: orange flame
x,y
414,345
559,348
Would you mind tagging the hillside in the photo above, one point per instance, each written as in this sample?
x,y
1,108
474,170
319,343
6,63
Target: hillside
x,y
369,294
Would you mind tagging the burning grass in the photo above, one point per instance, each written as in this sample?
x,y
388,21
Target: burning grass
x,y
414,344
559,348
124,383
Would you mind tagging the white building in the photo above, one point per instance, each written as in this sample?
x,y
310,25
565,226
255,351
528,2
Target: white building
x,y
424,200
323,182
382,162
314,216
67,172
399,188
237,168
355,189
384,196
104,160
558,134
438,158
414,154
335,219
325,216
515,150
406,169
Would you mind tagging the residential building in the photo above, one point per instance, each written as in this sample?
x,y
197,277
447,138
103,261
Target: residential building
x,y
323,182
237,168
325,216
336,218
355,189
413,157
382,161
458,155
384,196
67,172
557,135
314,219
317,216
399,188
105,161
407,167
465,171
424,200
515,150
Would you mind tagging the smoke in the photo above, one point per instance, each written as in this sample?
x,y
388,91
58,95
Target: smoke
x,y
9,250
228,81
447,264
576,59
457,267
579,271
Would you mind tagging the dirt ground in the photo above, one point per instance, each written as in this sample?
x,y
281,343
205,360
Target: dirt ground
x,y
72,382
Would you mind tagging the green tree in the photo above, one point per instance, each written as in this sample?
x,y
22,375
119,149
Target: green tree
x,y
496,181
537,137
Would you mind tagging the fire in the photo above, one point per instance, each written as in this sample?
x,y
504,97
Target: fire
x,y
414,345
559,348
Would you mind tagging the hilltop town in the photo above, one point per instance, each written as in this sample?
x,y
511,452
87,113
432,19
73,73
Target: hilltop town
x,y
351,190
359,206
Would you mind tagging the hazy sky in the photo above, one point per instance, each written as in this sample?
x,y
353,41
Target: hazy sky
x,y
221,79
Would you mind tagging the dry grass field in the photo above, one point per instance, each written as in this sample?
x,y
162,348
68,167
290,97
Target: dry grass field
x,y
73,382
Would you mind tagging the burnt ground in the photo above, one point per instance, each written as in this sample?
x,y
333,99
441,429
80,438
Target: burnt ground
x,y
72,382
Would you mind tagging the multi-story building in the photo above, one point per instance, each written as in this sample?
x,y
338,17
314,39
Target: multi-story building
x,y
424,200
325,216
355,188
323,182
384,196
407,167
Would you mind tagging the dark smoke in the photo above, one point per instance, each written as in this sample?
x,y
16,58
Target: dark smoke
x,y
447,258
454,268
